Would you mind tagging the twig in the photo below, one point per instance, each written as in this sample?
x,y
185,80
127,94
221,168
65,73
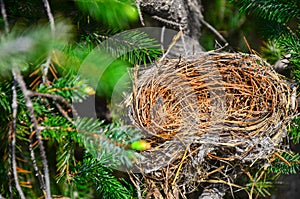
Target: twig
x,y
174,40
14,107
137,4
57,98
183,42
18,77
46,65
166,21
180,165
162,36
3,12
64,113
50,16
35,167
136,183
211,28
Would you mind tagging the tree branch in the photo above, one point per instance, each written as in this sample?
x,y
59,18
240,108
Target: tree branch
x,y
46,65
57,98
35,167
18,77
3,12
12,134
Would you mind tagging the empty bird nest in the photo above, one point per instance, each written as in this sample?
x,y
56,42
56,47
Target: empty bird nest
x,y
207,118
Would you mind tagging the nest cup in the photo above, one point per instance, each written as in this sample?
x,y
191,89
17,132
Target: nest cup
x,y
208,111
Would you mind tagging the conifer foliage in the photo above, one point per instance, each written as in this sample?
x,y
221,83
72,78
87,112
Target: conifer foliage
x,y
48,149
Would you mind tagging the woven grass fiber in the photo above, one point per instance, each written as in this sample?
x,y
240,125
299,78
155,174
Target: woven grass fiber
x,y
207,117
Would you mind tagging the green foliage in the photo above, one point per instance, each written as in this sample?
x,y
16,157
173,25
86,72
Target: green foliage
x,y
279,20
280,11
225,18
287,163
271,52
70,87
294,132
82,153
114,13
108,143
19,47
118,53
134,46
91,170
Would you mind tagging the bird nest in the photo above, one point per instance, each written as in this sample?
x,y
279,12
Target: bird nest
x,y
207,117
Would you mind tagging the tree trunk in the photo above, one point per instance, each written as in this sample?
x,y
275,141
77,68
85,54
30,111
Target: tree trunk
x,y
176,13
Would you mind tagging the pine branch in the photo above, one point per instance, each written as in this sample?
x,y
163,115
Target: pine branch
x,y
286,162
111,143
133,46
61,99
69,88
294,133
101,176
280,11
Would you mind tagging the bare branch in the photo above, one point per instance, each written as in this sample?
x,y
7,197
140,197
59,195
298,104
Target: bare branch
x,y
35,167
3,12
50,16
18,77
57,98
137,4
46,65
211,28
13,130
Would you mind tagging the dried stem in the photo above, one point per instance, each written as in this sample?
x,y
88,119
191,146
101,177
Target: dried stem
x,y
14,106
18,77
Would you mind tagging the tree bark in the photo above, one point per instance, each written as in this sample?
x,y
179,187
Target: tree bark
x,y
176,13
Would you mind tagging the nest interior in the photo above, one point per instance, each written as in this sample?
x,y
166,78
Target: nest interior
x,y
204,115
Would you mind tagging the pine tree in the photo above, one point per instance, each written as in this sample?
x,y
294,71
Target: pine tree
x,y
47,148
